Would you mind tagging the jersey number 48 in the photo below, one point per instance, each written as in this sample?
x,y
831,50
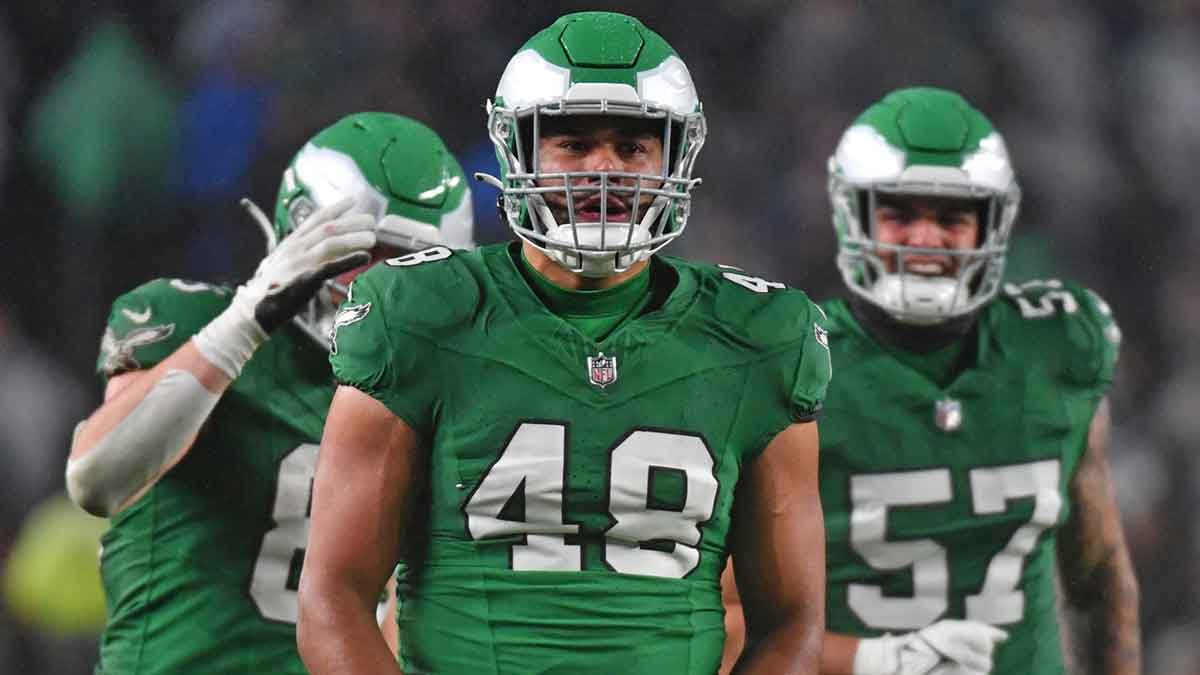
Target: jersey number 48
x,y
646,538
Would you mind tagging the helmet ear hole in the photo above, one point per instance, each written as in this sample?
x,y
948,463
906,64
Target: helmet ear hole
x,y
500,207
299,210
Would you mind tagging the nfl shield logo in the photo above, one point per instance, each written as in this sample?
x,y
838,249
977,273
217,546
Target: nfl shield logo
x,y
602,370
948,415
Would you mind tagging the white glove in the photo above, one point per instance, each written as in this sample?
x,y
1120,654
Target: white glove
x,y
947,647
955,669
331,241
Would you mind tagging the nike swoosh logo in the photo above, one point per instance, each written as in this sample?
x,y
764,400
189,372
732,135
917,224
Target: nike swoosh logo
x,y
137,317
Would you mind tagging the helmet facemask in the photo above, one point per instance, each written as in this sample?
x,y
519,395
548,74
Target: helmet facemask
x,y
655,207
881,272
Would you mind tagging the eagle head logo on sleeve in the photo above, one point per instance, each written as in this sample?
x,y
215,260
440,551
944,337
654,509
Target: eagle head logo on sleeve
x,y
346,316
118,352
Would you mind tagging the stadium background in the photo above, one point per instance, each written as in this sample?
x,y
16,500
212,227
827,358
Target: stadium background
x,y
128,130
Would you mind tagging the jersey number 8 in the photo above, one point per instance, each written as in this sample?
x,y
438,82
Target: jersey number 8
x,y
277,569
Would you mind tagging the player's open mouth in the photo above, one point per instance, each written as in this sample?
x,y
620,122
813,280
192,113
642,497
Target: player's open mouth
x,y
927,268
589,210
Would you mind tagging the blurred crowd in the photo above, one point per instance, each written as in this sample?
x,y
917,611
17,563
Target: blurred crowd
x,y
129,129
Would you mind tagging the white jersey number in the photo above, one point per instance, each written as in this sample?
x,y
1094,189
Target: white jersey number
x,y
998,601
277,570
276,577
427,255
756,284
646,538
872,495
1045,307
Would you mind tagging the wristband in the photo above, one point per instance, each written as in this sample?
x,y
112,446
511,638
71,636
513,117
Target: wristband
x,y
229,340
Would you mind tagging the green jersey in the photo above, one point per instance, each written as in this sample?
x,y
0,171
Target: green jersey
x,y
942,502
579,491
200,573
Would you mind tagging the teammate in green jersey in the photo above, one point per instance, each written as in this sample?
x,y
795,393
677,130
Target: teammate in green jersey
x,y
571,433
963,449
204,449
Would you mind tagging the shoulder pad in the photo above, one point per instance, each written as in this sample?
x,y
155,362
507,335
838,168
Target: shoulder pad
x,y
1060,322
423,292
150,322
755,317
757,311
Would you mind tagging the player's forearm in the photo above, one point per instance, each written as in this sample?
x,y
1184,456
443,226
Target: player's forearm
x,y
120,402
779,556
144,427
735,636
1108,634
337,633
790,647
1094,563
369,448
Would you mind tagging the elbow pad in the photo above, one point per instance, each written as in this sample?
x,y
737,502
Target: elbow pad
x,y
141,446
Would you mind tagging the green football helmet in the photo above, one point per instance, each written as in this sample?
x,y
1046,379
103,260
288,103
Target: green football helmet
x,y
396,169
923,142
595,63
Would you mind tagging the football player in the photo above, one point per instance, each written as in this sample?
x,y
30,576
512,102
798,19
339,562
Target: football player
x,y
581,429
965,439
204,449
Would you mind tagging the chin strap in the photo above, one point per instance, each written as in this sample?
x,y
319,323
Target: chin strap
x,y
262,221
490,180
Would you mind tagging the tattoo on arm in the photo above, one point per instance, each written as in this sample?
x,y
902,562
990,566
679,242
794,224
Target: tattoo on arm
x,y
1098,582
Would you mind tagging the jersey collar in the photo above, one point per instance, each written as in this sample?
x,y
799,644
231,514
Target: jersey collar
x,y
673,291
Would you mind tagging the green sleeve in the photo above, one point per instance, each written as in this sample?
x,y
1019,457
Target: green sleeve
x,y
1105,336
147,324
1063,326
813,371
374,354
794,378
